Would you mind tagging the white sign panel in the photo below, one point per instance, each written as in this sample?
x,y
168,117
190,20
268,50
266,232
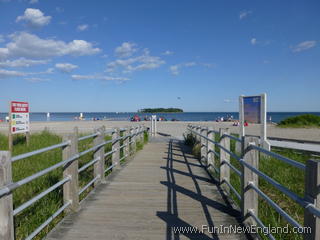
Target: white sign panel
x,y
19,116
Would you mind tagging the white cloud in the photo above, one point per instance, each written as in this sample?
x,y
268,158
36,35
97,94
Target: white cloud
x,y
22,62
227,100
59,10
209,65
1,38
189,64
253,41
34,18
175,69
4,73
142,62
243,14
83,27
66,67
167,53
99,77
304,46
8,73
31,46
48,71
127,49
36,79
33,1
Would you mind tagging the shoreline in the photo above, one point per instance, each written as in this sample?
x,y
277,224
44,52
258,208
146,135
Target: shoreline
x,y
174,128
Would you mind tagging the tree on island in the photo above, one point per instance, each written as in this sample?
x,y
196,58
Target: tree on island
x,y
160,110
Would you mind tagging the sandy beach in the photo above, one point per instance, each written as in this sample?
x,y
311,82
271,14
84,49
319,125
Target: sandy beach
x,y
175,129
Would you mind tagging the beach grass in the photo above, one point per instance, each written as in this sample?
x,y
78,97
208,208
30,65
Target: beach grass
x,y
32,217
304,120
289,176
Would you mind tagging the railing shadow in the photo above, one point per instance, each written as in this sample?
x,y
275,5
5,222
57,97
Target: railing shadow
x,y
171,216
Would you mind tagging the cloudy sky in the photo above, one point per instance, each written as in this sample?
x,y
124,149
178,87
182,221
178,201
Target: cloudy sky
x,y
121,55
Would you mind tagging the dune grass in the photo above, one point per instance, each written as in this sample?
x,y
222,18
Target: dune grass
x,y
32,217
304,120
289,176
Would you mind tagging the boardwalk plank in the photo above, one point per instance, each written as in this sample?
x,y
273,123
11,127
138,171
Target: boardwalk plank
x,y
163,187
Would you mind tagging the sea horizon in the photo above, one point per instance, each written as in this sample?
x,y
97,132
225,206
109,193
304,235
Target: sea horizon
x,y
125,116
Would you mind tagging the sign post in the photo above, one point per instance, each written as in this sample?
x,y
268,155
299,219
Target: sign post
x,y
18,121
253,109
153,125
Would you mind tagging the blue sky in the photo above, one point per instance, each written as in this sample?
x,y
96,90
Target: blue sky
x,y
127,55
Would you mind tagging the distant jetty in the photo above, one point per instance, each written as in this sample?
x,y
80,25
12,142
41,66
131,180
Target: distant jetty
x,y
161,110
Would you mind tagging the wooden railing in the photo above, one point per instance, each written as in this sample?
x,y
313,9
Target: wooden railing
x,y
129,137
249,174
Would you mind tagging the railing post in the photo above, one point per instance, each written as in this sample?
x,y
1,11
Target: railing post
x,y
224,157
99,166
71,188
134,140
199,132
6,202
211,148
204,145
126,149
141,134
312,194
249,196
115,147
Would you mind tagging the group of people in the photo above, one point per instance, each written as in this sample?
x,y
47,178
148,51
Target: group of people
x,y
229,118
237,123
136,118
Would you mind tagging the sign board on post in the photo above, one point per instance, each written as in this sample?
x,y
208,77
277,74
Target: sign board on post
x,y
19,120
19,114
253,109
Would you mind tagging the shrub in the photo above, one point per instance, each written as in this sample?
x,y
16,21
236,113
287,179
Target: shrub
x,y
305,120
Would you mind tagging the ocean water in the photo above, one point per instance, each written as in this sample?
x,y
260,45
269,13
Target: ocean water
x,y
186,116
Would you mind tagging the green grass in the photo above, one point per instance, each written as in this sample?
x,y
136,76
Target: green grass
x,y
289,176
32,217
305,120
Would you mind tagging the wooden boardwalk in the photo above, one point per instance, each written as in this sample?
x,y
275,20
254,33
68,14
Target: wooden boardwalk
x,y
163,188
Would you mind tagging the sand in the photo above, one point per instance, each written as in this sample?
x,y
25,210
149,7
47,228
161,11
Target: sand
x,y
175,129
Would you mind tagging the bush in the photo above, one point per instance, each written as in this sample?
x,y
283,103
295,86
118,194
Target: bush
x,y
189,140
305,120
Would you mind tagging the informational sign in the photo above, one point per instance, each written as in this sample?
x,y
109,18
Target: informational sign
x,y
252,109
19,117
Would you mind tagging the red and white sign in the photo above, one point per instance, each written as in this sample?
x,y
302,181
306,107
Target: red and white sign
x,y
19,117
19,107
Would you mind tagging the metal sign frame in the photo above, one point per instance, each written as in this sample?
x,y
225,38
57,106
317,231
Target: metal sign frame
x,y
263,119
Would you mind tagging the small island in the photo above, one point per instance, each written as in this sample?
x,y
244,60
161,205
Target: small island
x,y
161,110
301,121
